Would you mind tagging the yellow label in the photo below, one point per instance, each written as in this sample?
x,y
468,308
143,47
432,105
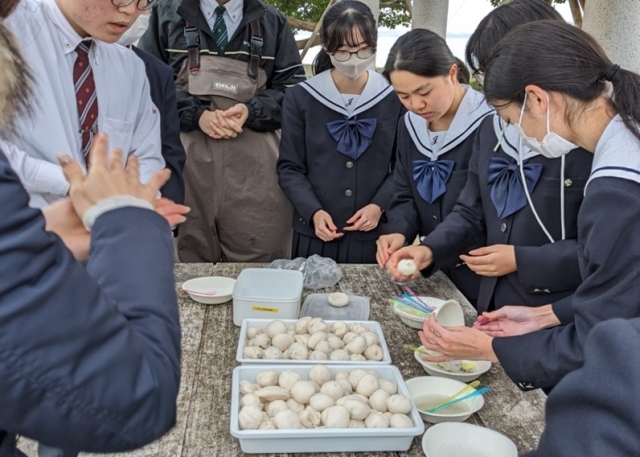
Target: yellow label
x,y
265,310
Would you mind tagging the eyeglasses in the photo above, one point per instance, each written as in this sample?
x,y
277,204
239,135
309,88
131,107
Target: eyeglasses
x,y
142,5
343,56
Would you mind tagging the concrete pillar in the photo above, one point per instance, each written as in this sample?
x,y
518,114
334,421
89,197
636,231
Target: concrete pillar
x,y
614,23
432,15
375,7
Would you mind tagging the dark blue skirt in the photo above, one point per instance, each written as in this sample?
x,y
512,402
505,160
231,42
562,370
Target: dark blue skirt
x,y
347,249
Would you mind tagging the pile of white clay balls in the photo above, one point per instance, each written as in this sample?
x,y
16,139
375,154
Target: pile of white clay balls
x,y
356,399
313,339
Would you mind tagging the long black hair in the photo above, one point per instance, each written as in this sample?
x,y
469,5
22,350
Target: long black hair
x,y
463,72
559,57
421,52
501,21
337,30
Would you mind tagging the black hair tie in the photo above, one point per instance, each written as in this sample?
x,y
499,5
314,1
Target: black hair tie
x,y
611,72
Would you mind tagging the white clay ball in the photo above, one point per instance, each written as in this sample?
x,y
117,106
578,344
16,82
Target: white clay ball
x,y
333,389
288,379
321,401
367,385
295,406
275,328
370,337
374,352
336,417
252,332
273,352
400,421
399,404
319,374
318,355
357,409
252,352
356,424
407,267
302,391
250,417
275,407
387,385
338,299
262,340
378,400
310,418
298,351
267,425
282,341
300,327
247,387
286,419
317,324
339,354
267,378
376,420
251,399
339,329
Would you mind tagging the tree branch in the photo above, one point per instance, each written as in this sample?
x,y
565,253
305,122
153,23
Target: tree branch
x,y
302,43
576,12
302,25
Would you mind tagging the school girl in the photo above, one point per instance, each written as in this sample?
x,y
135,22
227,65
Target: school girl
x,y
337,147
435,140
530,252
556,84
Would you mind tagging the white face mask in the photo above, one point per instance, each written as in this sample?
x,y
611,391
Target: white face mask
x,y
552,145
135,32
353,67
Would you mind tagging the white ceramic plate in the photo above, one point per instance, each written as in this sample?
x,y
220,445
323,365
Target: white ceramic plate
x,y
455,369
222,285
454,439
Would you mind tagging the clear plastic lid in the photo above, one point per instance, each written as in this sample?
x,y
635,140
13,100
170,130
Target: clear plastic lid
x,y
317,305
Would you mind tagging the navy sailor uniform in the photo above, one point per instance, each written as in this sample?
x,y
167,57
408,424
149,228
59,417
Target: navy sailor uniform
x,y
494,202
609,260
338,159
428,181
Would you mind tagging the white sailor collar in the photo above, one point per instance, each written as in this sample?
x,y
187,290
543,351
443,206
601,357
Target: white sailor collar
x,y
322,88
617,154
472,110
510,140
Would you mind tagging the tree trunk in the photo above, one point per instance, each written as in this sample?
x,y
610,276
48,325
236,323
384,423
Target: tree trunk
x,y
576,11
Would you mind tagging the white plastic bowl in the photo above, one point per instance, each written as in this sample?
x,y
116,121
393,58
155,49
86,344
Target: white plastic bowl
x,y
448,313
452,369
427,391
463,440
223,287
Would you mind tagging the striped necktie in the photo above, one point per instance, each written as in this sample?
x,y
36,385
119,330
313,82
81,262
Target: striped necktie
x,y
86,99
220,31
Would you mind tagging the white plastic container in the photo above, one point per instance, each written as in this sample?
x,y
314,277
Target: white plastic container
x,y
262,323
320,439
264,293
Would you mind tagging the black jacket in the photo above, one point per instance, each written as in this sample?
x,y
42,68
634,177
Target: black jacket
x,y
280,56
163,94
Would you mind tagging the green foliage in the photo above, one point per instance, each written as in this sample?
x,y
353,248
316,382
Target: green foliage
x,y
392,13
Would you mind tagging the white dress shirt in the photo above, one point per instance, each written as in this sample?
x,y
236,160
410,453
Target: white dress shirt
x,y
231,17
125,110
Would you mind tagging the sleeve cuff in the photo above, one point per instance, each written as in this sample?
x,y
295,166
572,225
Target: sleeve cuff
x,y
110,204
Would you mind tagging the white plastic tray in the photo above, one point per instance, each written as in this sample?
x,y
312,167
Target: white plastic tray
x,y
321,439
262,323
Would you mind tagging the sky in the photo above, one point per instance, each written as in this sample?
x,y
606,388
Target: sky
x,y
464,17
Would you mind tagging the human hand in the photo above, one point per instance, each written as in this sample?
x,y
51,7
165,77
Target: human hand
x,y
365,219
239,113
421,255
387,245
516,320
496,260
107,177
173,212
61,218
455,343
325,228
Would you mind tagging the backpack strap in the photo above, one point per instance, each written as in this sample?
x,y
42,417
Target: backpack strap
x,y
192,39
255,53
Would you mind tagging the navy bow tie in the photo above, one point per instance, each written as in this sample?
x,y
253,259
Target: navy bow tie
x,y
507,193
353,136
431,177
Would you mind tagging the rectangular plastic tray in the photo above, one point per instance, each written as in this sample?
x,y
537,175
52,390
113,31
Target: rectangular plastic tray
x,y
317,305
262,323
322,439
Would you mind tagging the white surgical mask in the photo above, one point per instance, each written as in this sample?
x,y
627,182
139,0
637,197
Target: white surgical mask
x,y
552,145
353,67
135,32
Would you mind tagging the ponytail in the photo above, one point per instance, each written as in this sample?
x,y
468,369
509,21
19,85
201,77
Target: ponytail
x,y
559,57
322,62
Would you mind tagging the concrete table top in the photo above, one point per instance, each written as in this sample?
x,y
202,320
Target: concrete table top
x,y
209,343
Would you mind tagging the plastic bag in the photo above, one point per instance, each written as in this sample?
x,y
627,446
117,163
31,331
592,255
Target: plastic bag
x,y
318,272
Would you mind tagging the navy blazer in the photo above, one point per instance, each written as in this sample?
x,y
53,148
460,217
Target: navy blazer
x,y
593,412
90,357
163,95
546,271
609,259
314,175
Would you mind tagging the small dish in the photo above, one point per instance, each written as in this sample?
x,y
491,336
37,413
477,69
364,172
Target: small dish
x,y
448,313
428,391
457,439
460,370
221,285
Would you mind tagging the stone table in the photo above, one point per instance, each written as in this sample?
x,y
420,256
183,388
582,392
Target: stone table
x,y
209,343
